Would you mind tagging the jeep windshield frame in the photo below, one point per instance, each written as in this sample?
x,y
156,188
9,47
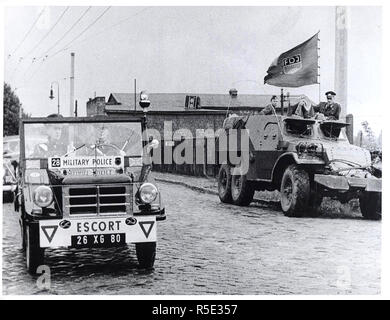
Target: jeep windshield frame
x,y
75,122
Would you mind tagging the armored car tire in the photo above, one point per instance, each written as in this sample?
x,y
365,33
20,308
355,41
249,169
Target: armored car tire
x,y
295,191
34,254
146,254
224,184
242,191
371,205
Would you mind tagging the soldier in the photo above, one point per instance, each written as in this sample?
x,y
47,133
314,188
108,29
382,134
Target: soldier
x,y
54,145
302,109
270,108
330,109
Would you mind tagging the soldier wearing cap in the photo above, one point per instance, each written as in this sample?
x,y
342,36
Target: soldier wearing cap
x,y
330,109
54,146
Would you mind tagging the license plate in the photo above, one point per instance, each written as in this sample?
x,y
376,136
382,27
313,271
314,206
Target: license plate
x,y
97,232
98,240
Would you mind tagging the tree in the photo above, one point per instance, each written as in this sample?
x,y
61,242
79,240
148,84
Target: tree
x,y
370,141
12,106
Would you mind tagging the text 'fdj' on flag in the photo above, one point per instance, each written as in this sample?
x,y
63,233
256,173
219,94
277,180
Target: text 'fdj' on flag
x,y
296,67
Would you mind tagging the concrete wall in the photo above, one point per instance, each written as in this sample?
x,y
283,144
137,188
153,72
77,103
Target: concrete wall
x,y
190,120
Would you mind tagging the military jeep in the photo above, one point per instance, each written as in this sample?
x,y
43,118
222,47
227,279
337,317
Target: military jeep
x,y
85,183
305,159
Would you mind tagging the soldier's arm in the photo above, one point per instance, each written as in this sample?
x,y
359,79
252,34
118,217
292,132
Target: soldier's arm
x,y
337,112
316,107
266,110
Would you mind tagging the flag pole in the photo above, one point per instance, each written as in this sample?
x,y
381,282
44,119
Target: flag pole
x,y
319,68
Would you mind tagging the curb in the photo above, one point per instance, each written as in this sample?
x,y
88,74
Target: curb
x,y
214,192
187,185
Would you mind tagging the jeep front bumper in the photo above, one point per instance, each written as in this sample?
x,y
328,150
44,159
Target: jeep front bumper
x,y
347,183
9,188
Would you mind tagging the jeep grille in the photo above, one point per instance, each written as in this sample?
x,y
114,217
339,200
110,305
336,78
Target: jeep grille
x,y
98,199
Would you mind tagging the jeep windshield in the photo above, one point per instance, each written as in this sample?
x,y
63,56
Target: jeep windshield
x,y
44,140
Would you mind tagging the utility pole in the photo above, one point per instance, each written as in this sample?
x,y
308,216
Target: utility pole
x,y
341,58
135,94
71,102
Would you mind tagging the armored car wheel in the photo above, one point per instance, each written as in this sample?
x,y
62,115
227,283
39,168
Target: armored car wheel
x,y
242,190
34,254
371,205
146,254
295,191
224,184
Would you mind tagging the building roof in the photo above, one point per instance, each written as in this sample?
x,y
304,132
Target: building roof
x,y
176,101
159,101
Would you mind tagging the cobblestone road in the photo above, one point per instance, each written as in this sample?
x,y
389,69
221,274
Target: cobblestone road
x,y
206,247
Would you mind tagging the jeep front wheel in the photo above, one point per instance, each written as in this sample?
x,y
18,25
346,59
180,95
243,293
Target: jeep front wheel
x,y
146,254
371,205
224,184
295,191
242,190
34,253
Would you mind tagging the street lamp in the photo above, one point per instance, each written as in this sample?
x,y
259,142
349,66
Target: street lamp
x,y
58,94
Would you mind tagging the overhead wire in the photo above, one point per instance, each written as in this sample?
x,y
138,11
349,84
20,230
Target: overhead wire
x,y
27,34
66,32
39,42
81,33
44,55
49,31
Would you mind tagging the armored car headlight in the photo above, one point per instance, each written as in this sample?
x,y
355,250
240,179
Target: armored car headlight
x,y
148,193
43,196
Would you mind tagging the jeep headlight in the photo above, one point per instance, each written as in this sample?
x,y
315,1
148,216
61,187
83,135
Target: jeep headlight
x,y
43,196
148,193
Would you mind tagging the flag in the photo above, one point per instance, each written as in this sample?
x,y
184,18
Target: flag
x,y
296,67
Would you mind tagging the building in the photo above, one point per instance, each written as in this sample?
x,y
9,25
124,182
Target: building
x,y
125,102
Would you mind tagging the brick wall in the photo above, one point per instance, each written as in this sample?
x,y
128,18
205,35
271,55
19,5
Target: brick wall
x,y
96,106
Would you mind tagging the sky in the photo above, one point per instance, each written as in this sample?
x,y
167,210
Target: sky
x,y
184,50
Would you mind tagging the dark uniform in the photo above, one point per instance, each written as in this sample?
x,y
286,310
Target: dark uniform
x,y
51,148
330,110
267,110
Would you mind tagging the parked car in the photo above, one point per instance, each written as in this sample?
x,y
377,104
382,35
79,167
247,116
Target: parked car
x,y
10,157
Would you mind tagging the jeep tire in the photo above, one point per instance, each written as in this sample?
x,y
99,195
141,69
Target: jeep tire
x,y
371,205
295,191
8,197
224,184
241,190
34,253
146,254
